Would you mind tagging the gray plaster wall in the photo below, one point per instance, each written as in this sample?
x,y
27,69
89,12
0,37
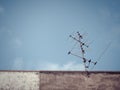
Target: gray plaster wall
x,y
59,80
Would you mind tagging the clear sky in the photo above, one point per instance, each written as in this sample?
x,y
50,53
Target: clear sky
x,y
34,33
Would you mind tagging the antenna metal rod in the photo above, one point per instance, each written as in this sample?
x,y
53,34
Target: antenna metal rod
x,y
83,44
84,59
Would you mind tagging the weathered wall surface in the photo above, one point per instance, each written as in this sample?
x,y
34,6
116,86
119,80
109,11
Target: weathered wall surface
x,y
19,81
79,81
59,80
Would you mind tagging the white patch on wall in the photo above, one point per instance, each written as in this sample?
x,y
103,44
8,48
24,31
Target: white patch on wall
x,y
19,81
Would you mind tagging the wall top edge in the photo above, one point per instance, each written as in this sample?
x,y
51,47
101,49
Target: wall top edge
x,y
59,71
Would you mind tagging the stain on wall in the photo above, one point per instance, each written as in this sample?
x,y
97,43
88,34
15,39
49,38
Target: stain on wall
x,y
59,80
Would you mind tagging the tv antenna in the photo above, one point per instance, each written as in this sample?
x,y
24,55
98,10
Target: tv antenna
x,y
80,41
88,63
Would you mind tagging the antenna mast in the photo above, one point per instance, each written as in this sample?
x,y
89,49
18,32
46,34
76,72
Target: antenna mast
x,y
82,45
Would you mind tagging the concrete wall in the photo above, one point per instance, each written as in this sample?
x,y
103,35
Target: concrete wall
x,y
80,81
59,80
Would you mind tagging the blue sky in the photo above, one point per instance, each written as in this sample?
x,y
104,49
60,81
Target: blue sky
x,y
34,33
